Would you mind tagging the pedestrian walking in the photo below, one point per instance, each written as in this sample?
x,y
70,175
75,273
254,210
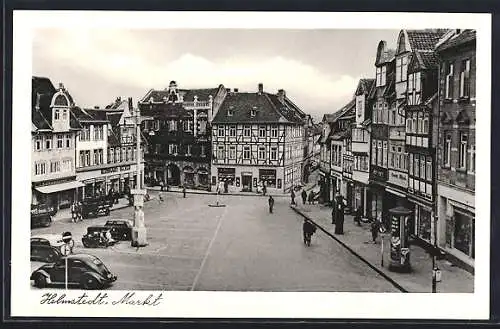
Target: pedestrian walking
x,y
160,197
304,196
374,228
79,211
357,216
226,186
292,196
264,189
161,185
271,204
73,212
339,215
333,213
308,230
183,191
311,198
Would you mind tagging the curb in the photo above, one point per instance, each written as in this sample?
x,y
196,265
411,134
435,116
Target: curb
x,y
69,218
373,267
223,194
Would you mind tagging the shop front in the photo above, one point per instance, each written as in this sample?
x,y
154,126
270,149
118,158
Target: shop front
x,y
58,193
203,177
268,177
188,176
377,195
422,214
460,231
226,175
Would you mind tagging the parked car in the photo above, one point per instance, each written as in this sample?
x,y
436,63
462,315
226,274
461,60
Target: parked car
x,y
53,240
84,271
96,237
121,229
41,215
44,253
96,207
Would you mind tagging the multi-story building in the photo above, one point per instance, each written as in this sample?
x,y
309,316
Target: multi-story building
x,y
456,147
360,139
383,98
179,144
325,163
258,137
342,158
53,132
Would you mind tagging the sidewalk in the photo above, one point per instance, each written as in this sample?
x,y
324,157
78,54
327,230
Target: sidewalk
x,y
358,240
176,189
65,214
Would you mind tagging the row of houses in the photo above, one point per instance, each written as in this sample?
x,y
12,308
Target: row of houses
x,y
78,152
200,137
407,138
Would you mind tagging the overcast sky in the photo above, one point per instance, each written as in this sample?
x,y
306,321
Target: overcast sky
x,y
319,69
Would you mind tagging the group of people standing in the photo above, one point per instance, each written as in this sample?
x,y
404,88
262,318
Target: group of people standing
x,y
76,211
305,197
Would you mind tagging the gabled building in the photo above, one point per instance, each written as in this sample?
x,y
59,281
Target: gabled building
x,y
258,138
360,138
325,157
457,144
383,98
179,134
54,131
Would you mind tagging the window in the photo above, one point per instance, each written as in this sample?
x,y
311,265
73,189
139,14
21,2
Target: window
x,y
262,153
220,152
56,114
274,131
428,171
374,152
111,155
188,149
221,131
414,122
463,238
84,134
274,153
408,125
60,138
55,166
38,143
230,113
172,125
98,133
465,79
117,154
246,152
383,75
463,151
246,131
134,151
65,114
68,141
48,142
380,74
448,86
253,112
422,167
232,152
419,123
188,125
232,131
411,164
359,108
202,127
262,131
401,69
40,168
202,151
472,164
425,124
172,149
384,155
66,165
379,153
417,166
129,153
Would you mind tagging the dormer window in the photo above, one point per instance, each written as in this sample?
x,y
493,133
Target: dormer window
x,y
56,114
253,112
230,113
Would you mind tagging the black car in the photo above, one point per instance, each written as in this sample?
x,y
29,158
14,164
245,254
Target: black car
x,y
41,215
121,229
44,253
84,271
96,237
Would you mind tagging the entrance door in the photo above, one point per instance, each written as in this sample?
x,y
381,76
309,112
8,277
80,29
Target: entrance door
x,y
246,181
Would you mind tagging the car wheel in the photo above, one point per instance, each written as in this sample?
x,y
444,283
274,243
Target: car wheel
x,y
40,281
89,283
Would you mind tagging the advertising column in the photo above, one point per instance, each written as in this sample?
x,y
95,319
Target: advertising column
x,y
400,248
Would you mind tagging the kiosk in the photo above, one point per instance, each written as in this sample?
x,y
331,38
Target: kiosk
x,y
400,248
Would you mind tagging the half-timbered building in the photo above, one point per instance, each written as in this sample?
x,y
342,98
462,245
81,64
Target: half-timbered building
x,y
258,139
178,134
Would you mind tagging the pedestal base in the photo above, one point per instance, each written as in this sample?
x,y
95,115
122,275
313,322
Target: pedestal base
x,y
139,237
217,205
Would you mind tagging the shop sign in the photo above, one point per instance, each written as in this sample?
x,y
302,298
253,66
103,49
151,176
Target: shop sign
x,y
398,178
227,171
109,170
125,168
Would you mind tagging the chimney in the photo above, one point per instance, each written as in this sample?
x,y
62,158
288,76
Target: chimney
x,y
96,107
281,95
261,88
235,90
130,106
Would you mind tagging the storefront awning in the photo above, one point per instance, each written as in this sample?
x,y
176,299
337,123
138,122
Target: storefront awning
x,y
58,187
387,189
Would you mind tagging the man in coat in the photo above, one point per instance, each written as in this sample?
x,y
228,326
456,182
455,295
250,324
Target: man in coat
x,y
339,214
292,196
271,204
304,196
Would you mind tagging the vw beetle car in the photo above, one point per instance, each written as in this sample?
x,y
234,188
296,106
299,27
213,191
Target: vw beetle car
x,y
84,271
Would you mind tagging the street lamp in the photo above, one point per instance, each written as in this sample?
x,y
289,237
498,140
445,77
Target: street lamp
x,y
139,232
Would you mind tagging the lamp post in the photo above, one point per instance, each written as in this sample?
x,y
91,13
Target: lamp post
x,y
139,232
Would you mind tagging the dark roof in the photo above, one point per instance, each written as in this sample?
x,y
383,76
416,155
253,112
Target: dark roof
x,y
268,109
114,118
424,40
457,39
423,61
164,110
387,56
188,94
364,86
42,91
39,120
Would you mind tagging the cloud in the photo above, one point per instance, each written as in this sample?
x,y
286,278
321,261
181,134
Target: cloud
x,y
116,57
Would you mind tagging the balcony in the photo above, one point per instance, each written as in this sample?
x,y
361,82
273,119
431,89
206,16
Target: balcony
x,y
205,105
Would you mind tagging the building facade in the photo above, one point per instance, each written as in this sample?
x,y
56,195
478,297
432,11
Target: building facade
x,y
258,139
457,144
325,163
54,131
360,139
179,134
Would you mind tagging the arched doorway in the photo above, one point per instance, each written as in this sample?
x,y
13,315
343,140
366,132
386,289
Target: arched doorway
x,y
173,175
188,176
203,177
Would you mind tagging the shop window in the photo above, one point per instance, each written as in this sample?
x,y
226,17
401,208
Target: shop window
x,y
424,224
463,234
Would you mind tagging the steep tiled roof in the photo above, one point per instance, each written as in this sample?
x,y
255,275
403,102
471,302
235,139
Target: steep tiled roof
x,y
42,91
202,94
458,39
423,61
364,86
424,40
164,111
267,106
387,56
38,120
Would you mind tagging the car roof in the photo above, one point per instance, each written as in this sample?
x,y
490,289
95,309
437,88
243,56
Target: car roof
x,y
119,221
87,257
